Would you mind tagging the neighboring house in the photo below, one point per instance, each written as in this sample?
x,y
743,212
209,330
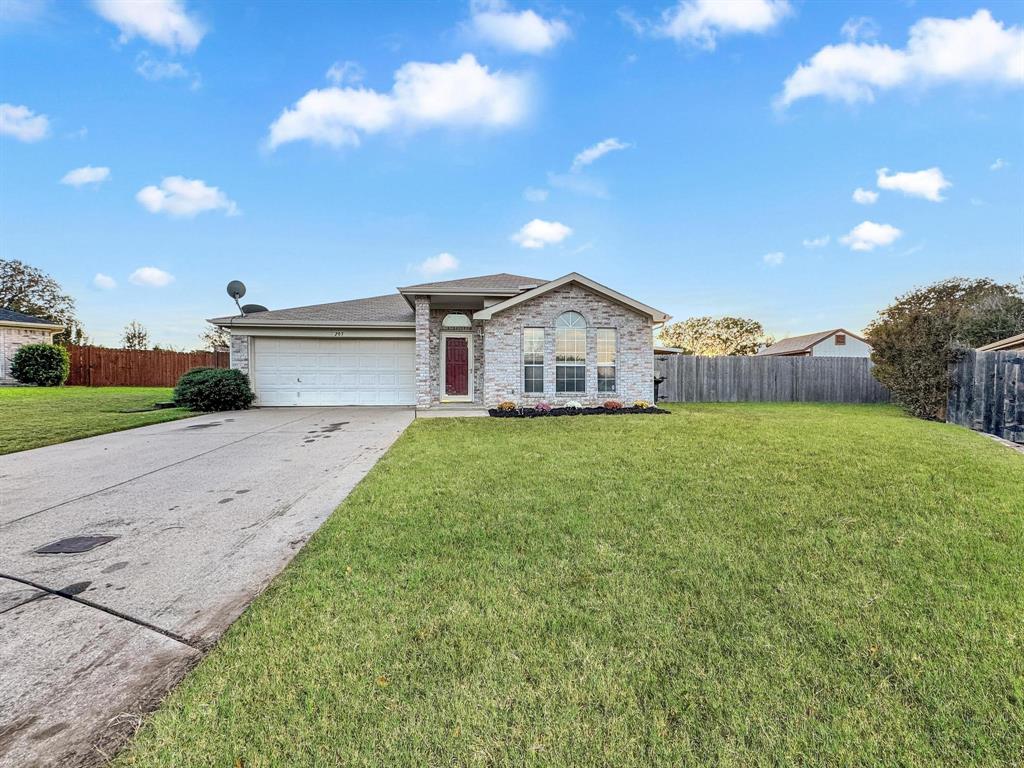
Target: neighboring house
x,y
18,329
1009,343
835,343
660,350
476,340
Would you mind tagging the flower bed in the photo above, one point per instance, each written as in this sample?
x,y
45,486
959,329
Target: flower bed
x,y
597,410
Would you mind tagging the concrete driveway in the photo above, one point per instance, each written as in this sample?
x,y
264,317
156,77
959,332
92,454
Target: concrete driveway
x,y
193,519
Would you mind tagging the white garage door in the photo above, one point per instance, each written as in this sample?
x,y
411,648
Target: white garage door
x,y
290,371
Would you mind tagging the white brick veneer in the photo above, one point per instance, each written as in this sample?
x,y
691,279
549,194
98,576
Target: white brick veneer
x,y
503,348
239,353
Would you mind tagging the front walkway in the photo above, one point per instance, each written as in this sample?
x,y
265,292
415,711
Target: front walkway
x,y
192,520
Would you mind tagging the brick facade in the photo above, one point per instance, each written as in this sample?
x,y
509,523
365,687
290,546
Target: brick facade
x,y
13,339
503,348
240,354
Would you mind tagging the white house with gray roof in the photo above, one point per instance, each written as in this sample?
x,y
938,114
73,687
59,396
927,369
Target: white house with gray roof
x,y
837,342
477,340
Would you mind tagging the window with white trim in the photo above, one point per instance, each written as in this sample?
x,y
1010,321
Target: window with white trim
x,y
456,320
606,359
533,360
570,353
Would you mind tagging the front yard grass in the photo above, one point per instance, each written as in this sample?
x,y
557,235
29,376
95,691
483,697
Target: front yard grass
x,y
730,585
31,417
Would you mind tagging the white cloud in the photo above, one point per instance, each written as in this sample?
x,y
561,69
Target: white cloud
x,y
457,93
523,31
161,22
592,153
701,22
774,259
538,233
438,265
151,276
978,49
345,72
859,28
22,123
535,194
87,174
868,235
999,164
578,183
864,196
154,69
23,11
181,197
927,184
817,242
106,282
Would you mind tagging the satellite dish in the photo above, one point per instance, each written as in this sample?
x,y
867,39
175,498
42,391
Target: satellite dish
x,y
236,289
249,309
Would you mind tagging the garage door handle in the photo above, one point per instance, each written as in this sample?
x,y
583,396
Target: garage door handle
x,y
299,380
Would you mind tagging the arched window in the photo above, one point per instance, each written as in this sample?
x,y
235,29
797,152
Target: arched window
x,y
570,353
456,320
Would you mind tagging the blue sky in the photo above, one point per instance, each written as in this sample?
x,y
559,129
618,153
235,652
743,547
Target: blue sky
x,y
324,151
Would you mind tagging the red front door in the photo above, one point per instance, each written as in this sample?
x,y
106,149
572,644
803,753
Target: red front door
x,y
456,366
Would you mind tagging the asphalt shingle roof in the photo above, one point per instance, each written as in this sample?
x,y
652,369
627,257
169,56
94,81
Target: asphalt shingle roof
x,y
796,343
391,309
502,282
13,316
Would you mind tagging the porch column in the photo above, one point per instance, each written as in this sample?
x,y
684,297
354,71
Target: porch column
x,y
423,388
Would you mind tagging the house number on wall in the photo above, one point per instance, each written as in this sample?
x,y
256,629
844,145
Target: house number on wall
x,y
339,333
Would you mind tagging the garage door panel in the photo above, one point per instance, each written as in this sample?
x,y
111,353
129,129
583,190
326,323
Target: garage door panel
x,y
294,371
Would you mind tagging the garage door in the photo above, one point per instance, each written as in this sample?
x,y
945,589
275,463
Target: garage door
x,y
334,371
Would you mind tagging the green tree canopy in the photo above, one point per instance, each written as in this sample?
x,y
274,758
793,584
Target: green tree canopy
x,y
919,335
27,289
716,336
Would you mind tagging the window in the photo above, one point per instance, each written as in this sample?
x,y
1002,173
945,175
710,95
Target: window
x,y
605,359
570,353
456,320
533,360
840,339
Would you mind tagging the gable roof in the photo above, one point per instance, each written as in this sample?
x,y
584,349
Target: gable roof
x,y
500,283
797,344
573,277
13,317
389,310
1010,342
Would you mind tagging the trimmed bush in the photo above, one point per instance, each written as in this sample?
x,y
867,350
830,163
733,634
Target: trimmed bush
x,y
506,405
612,405
213,389
46,365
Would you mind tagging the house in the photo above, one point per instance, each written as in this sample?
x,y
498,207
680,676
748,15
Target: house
x,y
835,343
18,329
1009,343
475,340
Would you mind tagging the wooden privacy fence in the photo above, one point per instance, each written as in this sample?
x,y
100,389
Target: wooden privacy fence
x,y
691,379
102,367
986,393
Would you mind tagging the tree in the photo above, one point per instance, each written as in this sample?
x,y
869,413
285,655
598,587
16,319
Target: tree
x,y
24,288
135,336
215,337
916,339
716,336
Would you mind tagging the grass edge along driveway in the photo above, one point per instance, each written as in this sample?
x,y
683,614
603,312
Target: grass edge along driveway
x,y
31,417
732,585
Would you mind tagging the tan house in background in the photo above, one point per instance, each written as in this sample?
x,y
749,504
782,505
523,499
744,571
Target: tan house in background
x,y
18,329
1009,343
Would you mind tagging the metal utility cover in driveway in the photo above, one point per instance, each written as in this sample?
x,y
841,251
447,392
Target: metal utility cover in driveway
x,y
74,545
203,520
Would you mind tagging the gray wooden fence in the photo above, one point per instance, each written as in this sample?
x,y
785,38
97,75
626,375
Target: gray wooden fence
x,y
690,379
986,393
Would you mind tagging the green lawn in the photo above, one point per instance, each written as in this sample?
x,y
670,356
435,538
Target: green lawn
x,y
730,585
34,416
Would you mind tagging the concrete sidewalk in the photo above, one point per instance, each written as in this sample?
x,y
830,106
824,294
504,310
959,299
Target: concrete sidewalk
x,y
202,513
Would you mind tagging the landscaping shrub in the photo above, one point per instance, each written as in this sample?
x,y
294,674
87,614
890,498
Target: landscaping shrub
x,y
543,407
46,365
213,389
641,404
574,405
612,405
506,405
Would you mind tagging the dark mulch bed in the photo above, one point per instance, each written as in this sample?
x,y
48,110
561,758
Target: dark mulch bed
x,y
532,413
